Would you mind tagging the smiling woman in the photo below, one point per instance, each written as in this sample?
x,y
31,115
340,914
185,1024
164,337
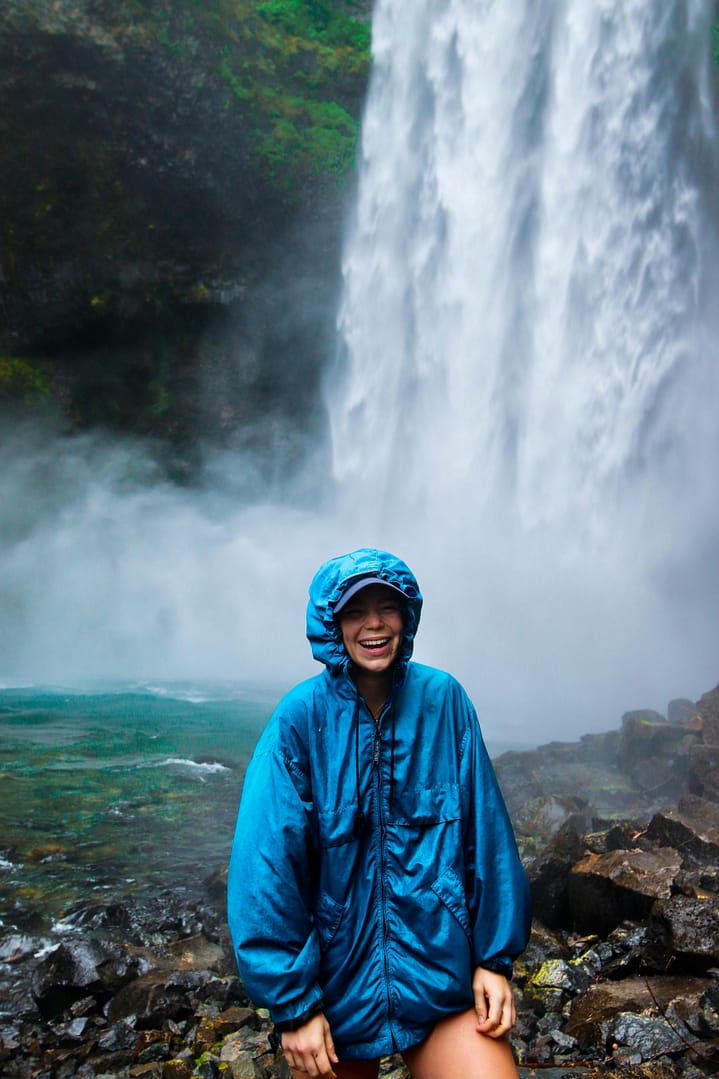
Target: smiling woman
x,y
376,899
371,623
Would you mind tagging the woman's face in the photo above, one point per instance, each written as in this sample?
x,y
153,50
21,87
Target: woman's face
x,y
372,625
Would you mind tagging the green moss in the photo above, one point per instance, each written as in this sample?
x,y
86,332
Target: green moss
x,y
20,379
205,1058
284,63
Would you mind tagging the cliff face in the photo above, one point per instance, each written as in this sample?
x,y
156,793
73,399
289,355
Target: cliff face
x,y
175,177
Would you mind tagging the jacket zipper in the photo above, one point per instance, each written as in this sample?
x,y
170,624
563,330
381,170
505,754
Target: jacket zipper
x,y
377,762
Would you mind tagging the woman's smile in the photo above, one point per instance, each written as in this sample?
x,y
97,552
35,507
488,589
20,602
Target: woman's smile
x,y
372,624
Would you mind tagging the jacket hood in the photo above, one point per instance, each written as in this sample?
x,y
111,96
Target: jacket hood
x,y
329,584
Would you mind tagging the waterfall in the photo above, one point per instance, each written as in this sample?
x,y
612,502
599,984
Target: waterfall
x,y
522,317
527,379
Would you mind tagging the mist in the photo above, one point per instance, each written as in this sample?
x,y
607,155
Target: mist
x,y
520,401
110,573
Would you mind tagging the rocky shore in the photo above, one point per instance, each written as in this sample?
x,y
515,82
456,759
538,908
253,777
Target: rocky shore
x,y
620,835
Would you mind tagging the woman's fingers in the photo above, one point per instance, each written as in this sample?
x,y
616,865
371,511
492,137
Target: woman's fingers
x,y
493,1003
310,1049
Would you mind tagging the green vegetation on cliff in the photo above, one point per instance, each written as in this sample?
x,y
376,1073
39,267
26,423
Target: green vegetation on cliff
x,y
174,173
290,67
23,380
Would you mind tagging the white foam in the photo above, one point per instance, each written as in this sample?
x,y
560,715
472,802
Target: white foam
x,y
209,768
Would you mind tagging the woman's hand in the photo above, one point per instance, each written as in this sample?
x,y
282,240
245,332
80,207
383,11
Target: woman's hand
x,y
310,1049
493,1003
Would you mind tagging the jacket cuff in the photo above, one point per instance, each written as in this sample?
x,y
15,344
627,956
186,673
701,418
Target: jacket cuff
x,y
299,1020
498,966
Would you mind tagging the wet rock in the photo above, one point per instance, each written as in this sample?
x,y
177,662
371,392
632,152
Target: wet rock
x,y
681,710
121,1037
690,927
151,998
156,1051
645,1036
146,1071
692,827
606,889
556,981
709,1010
72,1031
151,1045
15,947
176,1069
76,969
708,709
196,953
176,914
644,734
620,835
703,772
215,1029
207,1067
239,1062
599,748
585,769
549,870
625,951
599,1005
549,814
654,752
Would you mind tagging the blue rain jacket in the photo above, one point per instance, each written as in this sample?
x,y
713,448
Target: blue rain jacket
x,y
374,864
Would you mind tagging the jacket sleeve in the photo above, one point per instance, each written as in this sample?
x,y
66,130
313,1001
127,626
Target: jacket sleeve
x,y
268,900
497,889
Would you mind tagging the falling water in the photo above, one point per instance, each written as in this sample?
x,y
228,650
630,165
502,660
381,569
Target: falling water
x,y
527,382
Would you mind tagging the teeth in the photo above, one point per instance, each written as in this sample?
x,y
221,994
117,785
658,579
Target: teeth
x,y
375,644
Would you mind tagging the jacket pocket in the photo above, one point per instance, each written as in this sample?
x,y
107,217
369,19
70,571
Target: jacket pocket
x,y
336,827
450,890
423,806
328,916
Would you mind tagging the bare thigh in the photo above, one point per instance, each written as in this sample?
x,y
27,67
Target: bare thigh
x,y
350,1069
456,1050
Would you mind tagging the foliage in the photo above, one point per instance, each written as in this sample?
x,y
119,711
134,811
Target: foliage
x,y
20,379
291,68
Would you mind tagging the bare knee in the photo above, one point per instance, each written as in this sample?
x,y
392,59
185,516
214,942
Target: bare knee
x,y
456,1050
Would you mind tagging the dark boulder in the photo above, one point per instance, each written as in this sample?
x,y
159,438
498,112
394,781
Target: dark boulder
x,y
82,968
548,814
703,772
591,1013
549,869
606,889
690,928
692,827
151,1000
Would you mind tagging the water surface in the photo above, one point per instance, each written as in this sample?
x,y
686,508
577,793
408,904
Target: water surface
x,y
117,792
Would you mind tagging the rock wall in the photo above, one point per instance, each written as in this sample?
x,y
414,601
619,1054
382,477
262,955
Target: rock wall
x,y
175,182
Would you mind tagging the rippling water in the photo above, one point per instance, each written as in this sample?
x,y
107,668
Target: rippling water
x,y
117,792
